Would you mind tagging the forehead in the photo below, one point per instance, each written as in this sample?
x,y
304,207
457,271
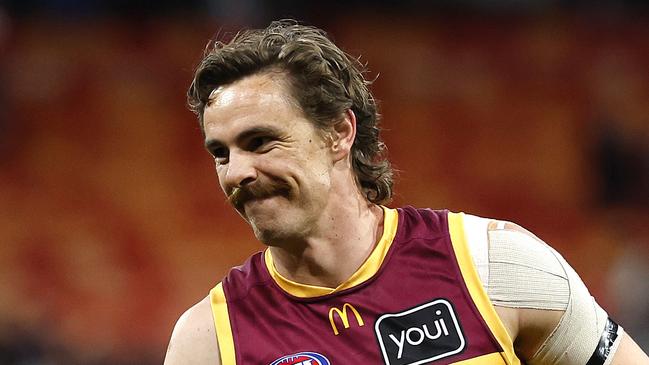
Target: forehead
x,y
256,99
271,84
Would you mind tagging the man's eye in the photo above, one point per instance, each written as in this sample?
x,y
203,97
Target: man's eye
x,y
220,153
258,142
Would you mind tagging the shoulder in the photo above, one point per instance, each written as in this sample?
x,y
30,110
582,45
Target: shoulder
x,y
420,222
240,280
540,298
509,259
193,340
524,278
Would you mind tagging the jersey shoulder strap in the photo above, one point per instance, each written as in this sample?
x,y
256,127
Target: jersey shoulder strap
x,y
459,224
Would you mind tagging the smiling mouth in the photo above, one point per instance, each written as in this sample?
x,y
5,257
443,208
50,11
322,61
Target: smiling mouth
x,y
252,207
258,200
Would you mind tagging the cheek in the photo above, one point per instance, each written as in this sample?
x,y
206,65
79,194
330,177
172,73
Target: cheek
x,y
220,173
318,173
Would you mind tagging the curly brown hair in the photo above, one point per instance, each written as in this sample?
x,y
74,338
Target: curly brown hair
x,y
323,79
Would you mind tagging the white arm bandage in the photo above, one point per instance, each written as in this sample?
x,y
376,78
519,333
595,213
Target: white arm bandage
x,y
523,272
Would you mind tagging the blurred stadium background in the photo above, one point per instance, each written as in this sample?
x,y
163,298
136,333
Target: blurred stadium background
x,y
111,219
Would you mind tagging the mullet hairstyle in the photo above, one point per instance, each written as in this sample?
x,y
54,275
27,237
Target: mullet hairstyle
x,y
323,79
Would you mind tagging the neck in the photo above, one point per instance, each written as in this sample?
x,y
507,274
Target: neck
x,y
346,235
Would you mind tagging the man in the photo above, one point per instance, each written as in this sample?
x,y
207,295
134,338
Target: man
x,y
293,131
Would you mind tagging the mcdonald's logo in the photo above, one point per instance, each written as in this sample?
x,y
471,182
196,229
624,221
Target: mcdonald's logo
x,y
344,317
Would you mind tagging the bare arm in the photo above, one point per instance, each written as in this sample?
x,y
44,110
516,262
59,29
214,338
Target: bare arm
x,y
629,353
529,328
550,334
193,340
537,325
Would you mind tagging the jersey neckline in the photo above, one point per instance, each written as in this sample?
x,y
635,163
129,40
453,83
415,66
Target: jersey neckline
x,y
365,272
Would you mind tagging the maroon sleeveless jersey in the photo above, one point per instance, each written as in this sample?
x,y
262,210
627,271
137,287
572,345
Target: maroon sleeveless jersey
x,y
416,300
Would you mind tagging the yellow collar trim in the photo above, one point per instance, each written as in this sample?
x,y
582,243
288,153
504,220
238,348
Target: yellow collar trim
x,y
370,267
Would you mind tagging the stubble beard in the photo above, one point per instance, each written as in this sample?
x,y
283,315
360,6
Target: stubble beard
x,y
277,230
278,226
267,228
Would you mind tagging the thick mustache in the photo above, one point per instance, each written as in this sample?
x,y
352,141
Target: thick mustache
x,y
241,195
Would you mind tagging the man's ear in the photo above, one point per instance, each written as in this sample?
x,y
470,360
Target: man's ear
x,y
343,135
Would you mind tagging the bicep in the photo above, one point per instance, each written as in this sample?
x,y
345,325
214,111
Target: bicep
x,y
193,340
629,353
556,319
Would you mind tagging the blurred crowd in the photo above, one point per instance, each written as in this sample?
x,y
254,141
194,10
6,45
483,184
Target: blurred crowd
x,y
111,219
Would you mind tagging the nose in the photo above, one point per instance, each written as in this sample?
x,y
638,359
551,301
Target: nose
x,y
238,172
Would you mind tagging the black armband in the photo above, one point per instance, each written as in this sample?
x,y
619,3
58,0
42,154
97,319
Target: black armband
x,y
605,344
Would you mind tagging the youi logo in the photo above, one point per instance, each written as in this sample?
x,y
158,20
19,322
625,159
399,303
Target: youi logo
x,y
423,334
302,358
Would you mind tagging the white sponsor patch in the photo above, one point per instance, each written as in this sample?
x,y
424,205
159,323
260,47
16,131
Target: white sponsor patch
x,y
422,334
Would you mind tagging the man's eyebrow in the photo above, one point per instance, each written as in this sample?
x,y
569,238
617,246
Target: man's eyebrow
x,y
263,130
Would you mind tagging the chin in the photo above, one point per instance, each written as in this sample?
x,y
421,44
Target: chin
x,y
275,234
268,237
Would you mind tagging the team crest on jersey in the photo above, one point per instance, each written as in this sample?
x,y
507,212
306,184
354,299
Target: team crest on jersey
x,y
426,333
302,358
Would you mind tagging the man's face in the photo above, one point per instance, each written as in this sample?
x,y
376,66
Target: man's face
x,y
272,163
